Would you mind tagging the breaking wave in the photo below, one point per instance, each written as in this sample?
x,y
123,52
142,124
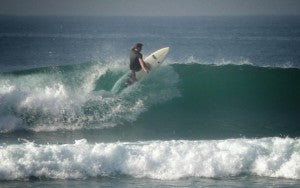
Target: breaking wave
x,y
240,100
165,160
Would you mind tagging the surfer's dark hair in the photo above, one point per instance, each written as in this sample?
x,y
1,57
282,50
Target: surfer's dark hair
x,y
137,45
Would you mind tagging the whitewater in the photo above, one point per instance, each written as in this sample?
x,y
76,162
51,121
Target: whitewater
x,y
164,160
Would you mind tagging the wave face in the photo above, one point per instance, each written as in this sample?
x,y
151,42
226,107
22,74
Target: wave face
x,y
191,100
165,160
247,99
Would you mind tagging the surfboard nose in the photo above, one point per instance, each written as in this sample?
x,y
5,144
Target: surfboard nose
x,y
165,51
161,54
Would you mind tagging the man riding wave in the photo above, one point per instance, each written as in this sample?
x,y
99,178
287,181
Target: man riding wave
x,y
136,62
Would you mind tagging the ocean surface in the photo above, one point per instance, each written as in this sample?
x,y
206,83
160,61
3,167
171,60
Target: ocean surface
x,y
223,110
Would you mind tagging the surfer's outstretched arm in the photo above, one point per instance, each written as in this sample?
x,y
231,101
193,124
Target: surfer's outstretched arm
x,y
144,66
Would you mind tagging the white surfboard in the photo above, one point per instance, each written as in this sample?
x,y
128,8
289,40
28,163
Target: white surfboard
x,y
154,60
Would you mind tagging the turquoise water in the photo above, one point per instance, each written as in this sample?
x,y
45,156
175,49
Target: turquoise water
x,y
222,111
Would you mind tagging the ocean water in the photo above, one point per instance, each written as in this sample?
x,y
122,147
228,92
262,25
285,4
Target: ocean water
x,y
223,110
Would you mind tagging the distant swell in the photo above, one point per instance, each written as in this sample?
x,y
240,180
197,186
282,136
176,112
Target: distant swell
x,y
165,160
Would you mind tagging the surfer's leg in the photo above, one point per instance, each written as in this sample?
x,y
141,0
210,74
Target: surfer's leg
x,y
133,76
131,79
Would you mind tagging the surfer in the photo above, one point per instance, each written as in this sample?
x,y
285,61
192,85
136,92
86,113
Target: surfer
x,y
136,62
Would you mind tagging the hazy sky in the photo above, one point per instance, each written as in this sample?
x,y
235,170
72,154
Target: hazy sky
x,y
149,7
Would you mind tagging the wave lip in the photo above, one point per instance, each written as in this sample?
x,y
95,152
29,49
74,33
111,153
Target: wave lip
x,y
165,160
223,62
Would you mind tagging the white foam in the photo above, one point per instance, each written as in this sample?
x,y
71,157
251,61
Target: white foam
x,y
217,62
286,65
165,160
47,99
222,62
6,87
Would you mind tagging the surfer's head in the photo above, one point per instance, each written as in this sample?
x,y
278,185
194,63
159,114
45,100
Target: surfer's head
x,y
138,47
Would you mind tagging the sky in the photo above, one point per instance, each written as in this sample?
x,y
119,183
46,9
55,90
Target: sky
x,y
148,7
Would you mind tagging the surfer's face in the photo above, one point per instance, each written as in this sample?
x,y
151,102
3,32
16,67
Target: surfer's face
x,y
139,49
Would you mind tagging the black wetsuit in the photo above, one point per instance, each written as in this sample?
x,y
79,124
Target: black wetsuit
x,y
134,60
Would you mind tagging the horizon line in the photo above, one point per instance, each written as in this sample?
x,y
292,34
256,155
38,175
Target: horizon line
x,y
208,15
